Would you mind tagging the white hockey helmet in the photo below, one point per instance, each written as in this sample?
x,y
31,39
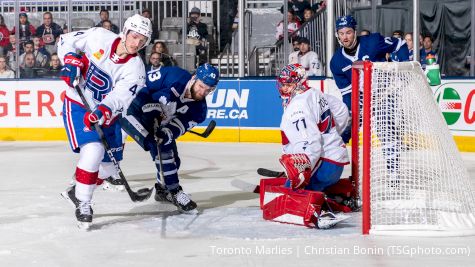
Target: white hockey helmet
x,y
139,24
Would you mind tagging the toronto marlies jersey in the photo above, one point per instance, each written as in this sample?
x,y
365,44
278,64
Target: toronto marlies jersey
x,y
308,126
371,47
164,97
105,73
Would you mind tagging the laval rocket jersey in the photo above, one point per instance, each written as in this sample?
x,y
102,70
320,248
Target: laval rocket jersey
x,y
106,78
308,127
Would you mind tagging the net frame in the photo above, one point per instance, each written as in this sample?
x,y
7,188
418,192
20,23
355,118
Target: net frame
x,y
425,204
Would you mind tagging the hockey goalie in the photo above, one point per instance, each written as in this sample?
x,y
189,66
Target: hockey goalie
x,y
313,157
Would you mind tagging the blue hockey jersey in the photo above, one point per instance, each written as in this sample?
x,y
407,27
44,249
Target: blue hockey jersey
x,y
164,97
371,47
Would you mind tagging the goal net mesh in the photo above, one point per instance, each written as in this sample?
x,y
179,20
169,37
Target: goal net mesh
x,y
418,181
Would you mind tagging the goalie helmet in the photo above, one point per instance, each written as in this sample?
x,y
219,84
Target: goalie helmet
x,y
292,79
139,24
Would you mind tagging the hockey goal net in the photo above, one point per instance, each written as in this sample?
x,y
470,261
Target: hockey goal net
x,y
413,178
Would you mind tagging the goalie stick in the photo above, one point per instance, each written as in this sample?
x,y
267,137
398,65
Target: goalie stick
x,y
141,194
270,173
207,131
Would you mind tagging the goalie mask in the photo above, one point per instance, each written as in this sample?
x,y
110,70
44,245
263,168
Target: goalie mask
x,y
292,80
138,24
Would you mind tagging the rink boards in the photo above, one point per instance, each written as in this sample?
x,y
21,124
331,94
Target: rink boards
x,y
246,110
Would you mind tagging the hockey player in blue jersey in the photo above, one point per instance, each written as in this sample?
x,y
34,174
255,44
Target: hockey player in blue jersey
x,y
177,100
371,47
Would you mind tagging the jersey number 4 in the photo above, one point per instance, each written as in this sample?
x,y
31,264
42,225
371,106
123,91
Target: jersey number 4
x,y
298,122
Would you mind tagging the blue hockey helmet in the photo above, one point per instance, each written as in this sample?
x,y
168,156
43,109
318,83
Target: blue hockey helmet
x,y
208,74
345,21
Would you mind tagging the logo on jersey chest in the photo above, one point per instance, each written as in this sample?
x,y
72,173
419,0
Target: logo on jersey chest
x,y
98,82
99,54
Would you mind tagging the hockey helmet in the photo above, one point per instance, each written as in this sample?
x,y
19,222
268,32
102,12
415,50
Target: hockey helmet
x,y
292,74
208,74
345,21
139,24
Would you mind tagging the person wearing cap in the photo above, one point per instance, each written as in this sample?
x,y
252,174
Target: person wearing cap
x,y
197,33
26,29
372,47
308,59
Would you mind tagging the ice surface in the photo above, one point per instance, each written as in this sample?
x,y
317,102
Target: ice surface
x,y
38,228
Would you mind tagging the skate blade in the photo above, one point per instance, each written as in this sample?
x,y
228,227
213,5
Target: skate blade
x,y
189,212
66,197
84,225
330,222
110,187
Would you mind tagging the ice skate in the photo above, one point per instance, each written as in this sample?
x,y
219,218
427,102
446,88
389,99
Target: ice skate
x,y
84,214
327,219
113,183
183,202
161,194
70,196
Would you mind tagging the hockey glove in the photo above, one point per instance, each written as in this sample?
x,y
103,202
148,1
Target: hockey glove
x,y
72,68
164,136
298,169
102,115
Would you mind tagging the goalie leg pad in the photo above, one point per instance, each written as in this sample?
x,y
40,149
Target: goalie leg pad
x,y
285,205
326,175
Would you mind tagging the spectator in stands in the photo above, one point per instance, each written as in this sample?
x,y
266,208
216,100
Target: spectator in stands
x,y
48,32
104,15
54,67
4,36
299,7
427,49
319,6
146,13
398,34
26,29
40,59
364,32
65,30
5,72
197,33
11,52
228,20
308,59
293,57
107,24
308,15
410,44
164,57
40,48
29,70
153,62
293,25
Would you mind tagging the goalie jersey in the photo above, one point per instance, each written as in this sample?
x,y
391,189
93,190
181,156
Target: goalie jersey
x,y
164,97
105,74
372,47
309,127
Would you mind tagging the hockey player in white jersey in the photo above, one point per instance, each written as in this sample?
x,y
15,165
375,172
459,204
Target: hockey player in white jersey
x,y
308,59
313,152
110,73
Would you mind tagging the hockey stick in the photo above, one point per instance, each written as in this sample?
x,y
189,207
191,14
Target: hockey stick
x,y
270,173
159,154
141,194
245,186
207,131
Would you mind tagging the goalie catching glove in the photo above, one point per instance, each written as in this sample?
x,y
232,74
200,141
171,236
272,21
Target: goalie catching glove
x,y
101,115
298,169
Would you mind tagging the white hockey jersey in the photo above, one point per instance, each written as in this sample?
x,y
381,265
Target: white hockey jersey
x,y
308,127
311,63
339,111
106,74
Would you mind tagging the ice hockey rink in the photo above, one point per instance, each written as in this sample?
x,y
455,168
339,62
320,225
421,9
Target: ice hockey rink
x,y
38,227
